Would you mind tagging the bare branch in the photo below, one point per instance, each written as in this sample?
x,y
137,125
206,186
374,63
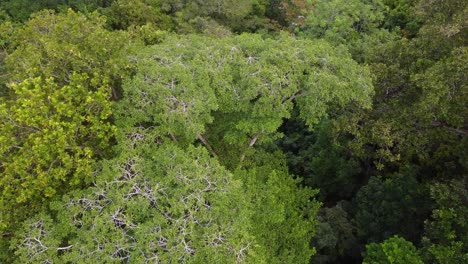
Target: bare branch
x,y
251,144
64,248
207,145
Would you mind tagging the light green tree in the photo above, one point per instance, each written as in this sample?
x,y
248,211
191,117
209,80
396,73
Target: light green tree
x,y
284,215
55,117
395,250
57,45
50,135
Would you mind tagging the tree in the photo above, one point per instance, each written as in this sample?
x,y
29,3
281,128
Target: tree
x,y
162,199
383,205
7,29
447,17
284,215
342,22
154,202
335,238
320,158
288,13
20,10
55,119
51,45
409,123
446,231
400,14
159,202
234,93
229,13
190,91
395,250
50,136
123,14
231,95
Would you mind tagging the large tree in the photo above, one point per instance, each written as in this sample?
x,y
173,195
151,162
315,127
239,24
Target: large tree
x,y
155,202
234,93
165,198
55,116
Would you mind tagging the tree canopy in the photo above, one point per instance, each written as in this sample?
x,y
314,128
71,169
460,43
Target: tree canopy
x,y
220,131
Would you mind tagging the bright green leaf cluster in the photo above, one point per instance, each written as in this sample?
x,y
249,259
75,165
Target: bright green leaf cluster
x,y
50,136
56,117
395,250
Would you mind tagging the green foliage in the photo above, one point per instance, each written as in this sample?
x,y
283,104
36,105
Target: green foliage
x,y
56,117
288,13
7,29
395,250
342,21
50,136
231,95
238,90
418,115
383,205
123,14
320,159
168,92
158,201
335,238
356,24
401,14
448,17
20,10
195,157
205,26
55,46
233,14
149,34
223,9
283,215
446,232
443,87
152,203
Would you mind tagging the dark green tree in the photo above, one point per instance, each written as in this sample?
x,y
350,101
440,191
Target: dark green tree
x,y
383,205
123,14
320,158
446,231
336,238
21,10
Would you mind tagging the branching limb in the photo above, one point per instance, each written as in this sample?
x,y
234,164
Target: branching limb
x,y
64,248
207,145
251,144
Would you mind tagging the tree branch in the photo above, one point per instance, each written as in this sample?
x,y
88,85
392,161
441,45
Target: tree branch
x,y
459,132
64,248
207,145
299,93
173,137
252,142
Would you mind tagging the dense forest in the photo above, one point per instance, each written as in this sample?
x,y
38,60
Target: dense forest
x,y
233,131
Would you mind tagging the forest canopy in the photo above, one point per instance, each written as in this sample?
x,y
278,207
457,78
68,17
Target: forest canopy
x,y
266,131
